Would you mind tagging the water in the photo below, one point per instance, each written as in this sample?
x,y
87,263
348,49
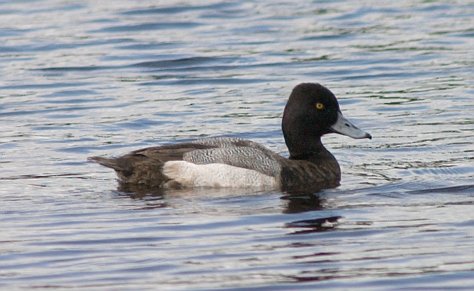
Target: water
x,y
83,78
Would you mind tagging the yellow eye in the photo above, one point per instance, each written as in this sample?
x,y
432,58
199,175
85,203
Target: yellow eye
x,y
319,106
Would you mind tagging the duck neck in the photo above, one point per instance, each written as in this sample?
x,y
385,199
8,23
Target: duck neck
x,y
315,153
311,150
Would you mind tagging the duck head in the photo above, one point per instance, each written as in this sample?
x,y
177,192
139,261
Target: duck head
x,y
312,111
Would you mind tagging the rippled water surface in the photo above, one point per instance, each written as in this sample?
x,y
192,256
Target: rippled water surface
x,y
83,78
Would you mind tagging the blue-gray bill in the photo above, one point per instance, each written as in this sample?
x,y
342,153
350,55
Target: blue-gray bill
x,y
345,127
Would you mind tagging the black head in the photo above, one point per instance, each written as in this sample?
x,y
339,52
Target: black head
x,y
312,111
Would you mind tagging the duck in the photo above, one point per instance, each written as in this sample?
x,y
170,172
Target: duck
x,y
311,111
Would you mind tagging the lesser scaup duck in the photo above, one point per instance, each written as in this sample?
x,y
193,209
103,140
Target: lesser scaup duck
x,y
311,111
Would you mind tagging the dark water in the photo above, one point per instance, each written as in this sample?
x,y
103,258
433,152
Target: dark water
x,y
82,78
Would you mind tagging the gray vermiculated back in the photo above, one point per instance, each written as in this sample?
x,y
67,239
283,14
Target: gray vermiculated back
x,y
223,142
236,152
226,142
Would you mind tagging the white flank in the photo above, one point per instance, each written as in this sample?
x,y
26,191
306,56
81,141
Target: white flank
x,y
216,175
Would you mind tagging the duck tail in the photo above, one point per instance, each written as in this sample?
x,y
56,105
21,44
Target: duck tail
x,y
106,162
